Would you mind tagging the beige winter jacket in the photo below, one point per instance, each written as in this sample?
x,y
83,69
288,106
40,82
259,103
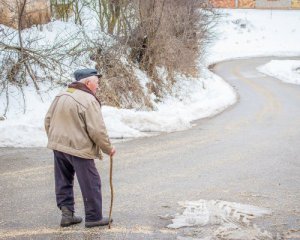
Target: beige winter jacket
x,y
74,125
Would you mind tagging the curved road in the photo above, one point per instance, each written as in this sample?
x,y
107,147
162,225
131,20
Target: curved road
x,y
249,154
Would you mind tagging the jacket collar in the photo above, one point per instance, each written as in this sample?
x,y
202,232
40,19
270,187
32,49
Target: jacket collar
x,y
83,87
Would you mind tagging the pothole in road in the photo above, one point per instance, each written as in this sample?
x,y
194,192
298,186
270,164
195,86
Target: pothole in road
x,y
216,219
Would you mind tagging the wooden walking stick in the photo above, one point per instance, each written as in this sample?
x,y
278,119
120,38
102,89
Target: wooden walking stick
x,y
111,191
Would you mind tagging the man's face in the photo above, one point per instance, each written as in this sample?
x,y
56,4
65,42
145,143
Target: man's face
x,y
92,83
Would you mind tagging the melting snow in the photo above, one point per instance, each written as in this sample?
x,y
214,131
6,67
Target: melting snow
x,y
216,219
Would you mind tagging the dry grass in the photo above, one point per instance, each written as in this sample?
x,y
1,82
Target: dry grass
x,y
119,87
171,34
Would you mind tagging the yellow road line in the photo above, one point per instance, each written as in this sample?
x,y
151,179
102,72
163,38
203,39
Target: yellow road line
x,y
272,106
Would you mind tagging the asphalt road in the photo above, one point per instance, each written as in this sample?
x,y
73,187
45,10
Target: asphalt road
x,y
249,154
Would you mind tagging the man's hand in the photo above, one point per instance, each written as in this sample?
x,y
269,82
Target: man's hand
x,y
112,152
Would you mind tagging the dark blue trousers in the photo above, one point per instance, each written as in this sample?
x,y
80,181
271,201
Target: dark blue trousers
x,y
65,166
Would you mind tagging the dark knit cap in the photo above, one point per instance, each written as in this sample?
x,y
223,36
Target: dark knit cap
x,y
86,72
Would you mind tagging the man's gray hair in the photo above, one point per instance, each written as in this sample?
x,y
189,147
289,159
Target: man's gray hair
x,y
84,80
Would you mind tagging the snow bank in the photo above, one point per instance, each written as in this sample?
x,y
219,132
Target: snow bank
x,y
285,70
25,130
193,99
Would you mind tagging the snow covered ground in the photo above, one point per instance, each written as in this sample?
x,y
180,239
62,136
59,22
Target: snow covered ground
x,y
285,70
241,33
248,33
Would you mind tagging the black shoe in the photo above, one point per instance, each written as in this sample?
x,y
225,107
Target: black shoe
x,y
68,218
104,221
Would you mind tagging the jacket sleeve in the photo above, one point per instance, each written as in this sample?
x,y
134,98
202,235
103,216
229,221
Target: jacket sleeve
x,y
49,115
96,127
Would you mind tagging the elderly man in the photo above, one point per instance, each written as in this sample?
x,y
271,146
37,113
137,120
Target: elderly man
x,y
77,134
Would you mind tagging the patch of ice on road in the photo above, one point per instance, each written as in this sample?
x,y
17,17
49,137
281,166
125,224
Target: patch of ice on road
x,y
285,70
216,219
